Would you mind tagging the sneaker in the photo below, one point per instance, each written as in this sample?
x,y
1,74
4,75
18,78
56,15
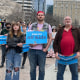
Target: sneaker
x,y
48,56
55,69
22,67
1,66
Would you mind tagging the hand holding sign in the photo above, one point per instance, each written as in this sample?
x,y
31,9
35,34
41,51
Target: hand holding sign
x,y
44,50
25,48
6,46
6,34
32,45
78,55
20,44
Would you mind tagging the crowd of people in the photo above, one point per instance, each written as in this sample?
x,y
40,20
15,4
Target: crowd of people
x,y
63,44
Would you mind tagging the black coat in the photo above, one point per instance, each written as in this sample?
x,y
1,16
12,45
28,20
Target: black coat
x,y
58,37
12,43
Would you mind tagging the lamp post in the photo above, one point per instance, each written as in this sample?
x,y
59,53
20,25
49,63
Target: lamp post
x,y
62,9
38,4
75,12
23,5
66,8
71,10
44,5
55,8
23,9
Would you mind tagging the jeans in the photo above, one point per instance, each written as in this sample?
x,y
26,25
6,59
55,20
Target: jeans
x,y
37,57
13,60
3,47
73,70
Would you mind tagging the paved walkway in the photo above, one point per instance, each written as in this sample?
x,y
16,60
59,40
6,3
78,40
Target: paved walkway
x,y
24,73
49,75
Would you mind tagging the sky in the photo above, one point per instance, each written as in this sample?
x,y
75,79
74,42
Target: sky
x,y
50,2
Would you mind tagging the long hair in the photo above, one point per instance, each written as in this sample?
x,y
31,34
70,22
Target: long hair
x,y
19,33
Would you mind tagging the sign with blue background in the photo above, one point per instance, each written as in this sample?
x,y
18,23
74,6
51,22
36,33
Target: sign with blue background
x,y
36,37
25,48
3,39
67,60
0,20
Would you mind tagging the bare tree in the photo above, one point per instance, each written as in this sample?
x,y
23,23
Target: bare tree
x,y
53,20
17,14
31,17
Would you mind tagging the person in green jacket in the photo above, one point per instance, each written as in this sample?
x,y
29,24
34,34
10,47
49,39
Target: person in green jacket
x,y
5,32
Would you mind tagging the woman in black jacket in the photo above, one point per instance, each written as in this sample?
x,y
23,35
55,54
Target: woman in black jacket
x,y
15,41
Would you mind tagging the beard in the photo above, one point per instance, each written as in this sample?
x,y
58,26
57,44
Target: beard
x,y
40,19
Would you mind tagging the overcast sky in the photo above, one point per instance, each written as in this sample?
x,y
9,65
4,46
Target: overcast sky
x,y
49,2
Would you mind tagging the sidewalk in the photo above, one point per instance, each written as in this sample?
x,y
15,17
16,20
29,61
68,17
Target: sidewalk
x,y
50,73
25,73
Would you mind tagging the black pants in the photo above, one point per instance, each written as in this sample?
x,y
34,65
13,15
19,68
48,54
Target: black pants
x,y
24,58
3,47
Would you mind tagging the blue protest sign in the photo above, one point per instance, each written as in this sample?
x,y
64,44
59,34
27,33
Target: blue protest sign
x,y
36,37
67,60
25,48
3,39
0,20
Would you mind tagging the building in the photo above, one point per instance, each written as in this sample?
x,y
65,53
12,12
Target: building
x,y
26,6
49,9
39,5
64,8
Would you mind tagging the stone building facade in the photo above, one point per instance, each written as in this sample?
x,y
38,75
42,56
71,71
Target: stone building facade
x,y
64,8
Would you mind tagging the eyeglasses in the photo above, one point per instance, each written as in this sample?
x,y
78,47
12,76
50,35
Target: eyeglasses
x,y
67,19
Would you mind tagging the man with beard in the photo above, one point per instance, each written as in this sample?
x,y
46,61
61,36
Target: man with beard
x,y
37,53
67,46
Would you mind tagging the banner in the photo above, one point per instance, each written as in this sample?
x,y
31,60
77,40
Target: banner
x,y
25,48
3,39
67,60
0,20
36,37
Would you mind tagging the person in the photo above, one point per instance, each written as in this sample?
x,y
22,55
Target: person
x,y
37,52
59,27
28,25
79,64
50,49
79,60
3,23
22,24
15,40
66,46
5,32
25,53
